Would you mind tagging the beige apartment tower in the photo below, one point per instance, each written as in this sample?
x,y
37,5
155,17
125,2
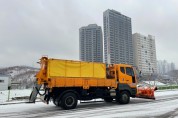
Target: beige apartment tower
x,y
144,53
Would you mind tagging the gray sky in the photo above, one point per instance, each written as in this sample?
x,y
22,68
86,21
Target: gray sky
x,y
32,28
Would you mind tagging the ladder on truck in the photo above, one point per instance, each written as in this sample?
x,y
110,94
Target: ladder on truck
x,y
34,93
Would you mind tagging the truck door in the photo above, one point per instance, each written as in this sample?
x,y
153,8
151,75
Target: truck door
x,y
122,76
130,76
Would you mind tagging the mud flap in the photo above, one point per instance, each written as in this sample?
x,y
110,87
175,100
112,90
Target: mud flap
x,y
34,93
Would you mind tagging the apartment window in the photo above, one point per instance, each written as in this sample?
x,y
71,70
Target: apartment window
x,y
1,81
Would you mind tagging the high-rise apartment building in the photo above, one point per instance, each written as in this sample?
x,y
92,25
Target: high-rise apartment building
x,y
118,46
144,53
91,43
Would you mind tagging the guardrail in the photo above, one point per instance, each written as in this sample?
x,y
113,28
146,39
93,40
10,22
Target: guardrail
x,y
167,87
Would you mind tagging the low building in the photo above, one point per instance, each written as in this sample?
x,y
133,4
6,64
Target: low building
x,y
4,82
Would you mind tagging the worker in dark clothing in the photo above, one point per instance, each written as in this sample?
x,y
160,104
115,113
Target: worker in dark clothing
x,y
48,95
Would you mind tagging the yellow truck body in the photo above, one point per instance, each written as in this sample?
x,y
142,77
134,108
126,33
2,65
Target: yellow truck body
x,y
75,69
69,73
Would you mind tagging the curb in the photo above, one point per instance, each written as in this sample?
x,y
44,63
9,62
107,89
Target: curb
x,y
18,103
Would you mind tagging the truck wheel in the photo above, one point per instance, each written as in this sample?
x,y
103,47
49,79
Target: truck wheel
x,y
69,101
108,99
124,98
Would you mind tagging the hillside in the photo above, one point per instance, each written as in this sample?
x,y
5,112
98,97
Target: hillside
x,y
23,75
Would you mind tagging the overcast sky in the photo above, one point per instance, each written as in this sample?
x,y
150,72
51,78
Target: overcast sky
x,y
32,28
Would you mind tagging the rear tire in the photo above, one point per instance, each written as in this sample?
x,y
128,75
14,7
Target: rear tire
x,y
124,98
69,101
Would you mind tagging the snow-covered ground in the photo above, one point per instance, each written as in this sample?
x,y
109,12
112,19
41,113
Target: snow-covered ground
x,y
13,94
165,105
27,92
169,92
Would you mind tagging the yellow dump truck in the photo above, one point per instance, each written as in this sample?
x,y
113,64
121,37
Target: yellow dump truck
x,y
67,81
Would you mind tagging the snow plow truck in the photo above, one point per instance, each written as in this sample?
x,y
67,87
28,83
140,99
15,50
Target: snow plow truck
x,y
67,81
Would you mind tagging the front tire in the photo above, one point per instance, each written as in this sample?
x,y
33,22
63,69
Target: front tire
x,y
69,101
124,98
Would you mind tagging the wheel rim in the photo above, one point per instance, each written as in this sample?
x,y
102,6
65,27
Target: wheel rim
x,y
69,101
124,97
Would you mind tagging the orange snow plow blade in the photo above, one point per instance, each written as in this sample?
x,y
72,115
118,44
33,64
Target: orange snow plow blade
x,y
146,92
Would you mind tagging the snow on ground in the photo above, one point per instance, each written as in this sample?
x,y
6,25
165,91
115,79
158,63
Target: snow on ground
x,y
23,107
161,107
27,92
160,93
13,94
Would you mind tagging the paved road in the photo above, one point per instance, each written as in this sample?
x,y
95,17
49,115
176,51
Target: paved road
x,y
163,107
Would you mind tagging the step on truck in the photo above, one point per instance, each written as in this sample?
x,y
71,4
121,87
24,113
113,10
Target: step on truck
x,y
67,81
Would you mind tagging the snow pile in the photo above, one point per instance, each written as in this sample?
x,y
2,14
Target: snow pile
x,y
154,83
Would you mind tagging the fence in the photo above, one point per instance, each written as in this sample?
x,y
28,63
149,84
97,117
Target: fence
x,y
168,87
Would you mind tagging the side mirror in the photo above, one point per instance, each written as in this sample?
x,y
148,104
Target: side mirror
x,y
140,74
